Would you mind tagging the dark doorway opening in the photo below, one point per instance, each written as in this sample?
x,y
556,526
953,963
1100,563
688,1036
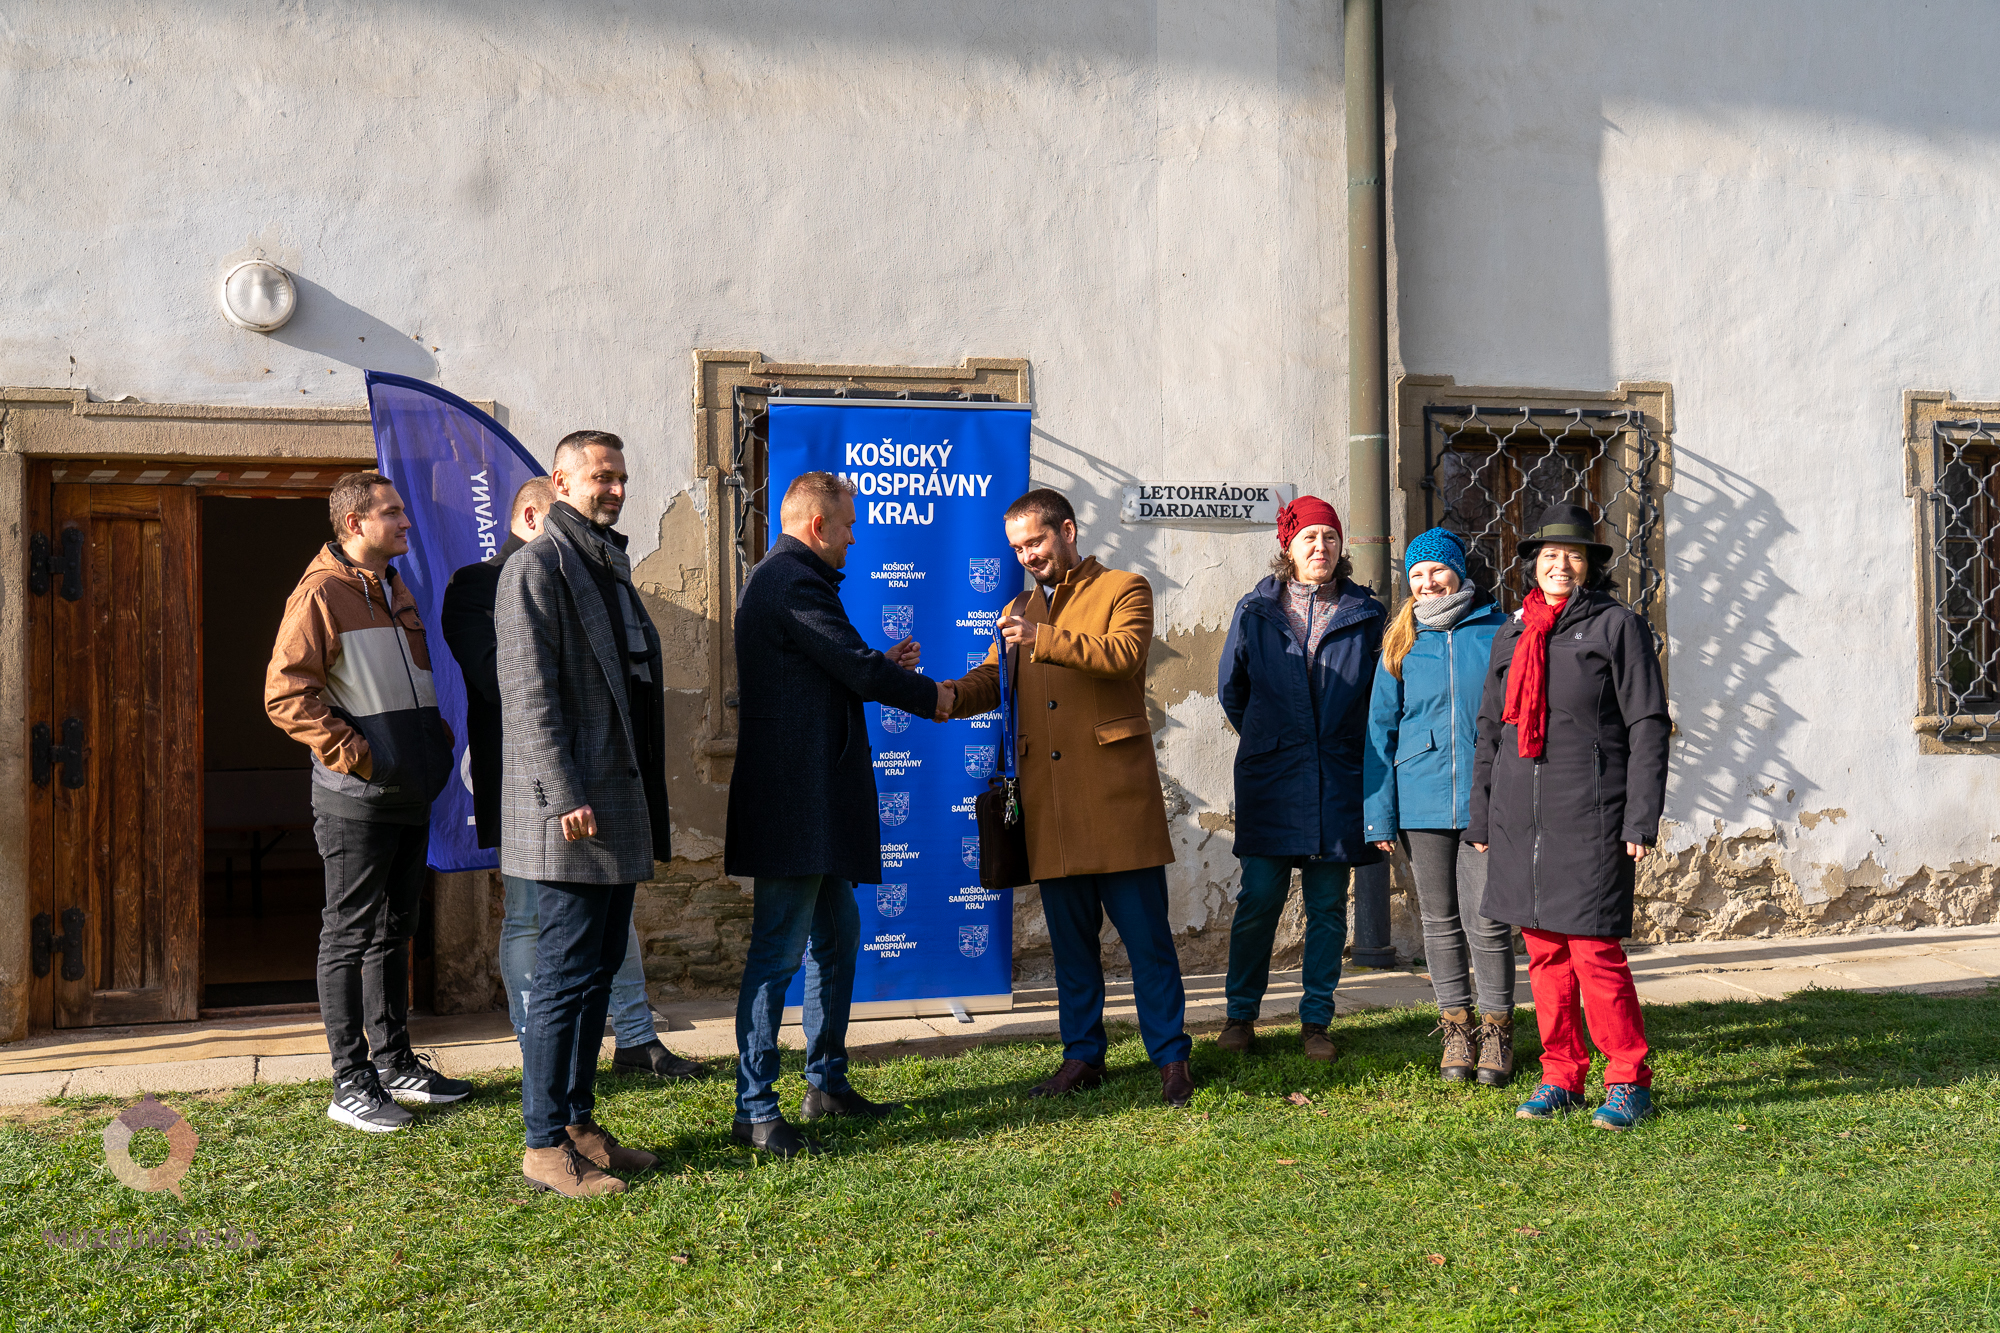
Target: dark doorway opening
x,y
263,882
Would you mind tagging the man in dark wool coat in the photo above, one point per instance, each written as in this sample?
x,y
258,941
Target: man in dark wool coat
x,y
803,819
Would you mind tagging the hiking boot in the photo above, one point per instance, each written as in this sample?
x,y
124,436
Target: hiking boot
x,y
595,1144
1625,1105
1496,1049
654,1058
1176,1085
820,1103
1073,1076
412,1078
1316,1043
775,1137
360,1103
1461,1046
1238,1035
563,1170
1549,1102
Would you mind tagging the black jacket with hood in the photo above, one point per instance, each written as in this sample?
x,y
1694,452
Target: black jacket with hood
x,y
1558,825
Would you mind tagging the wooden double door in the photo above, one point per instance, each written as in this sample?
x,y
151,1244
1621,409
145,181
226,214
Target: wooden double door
x,y
115,753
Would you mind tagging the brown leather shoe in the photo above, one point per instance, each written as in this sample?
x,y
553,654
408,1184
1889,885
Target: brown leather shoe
x,y
1461,1046
562,1170
1074,1076
604,1152
1238,1034
1176,1084
1496,1049
1317,1044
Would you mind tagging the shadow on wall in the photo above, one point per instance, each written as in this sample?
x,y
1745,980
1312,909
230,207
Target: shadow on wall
x,y
1730,752
332,328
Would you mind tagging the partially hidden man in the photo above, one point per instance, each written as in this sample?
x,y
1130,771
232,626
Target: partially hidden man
x,y
467,618
583,797
1090,787
804,822
350,678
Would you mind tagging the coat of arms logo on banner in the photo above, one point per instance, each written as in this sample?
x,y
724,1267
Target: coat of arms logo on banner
x,y
968,852
894,807
979,760
972,940
984,572
897,620
891,899
894,719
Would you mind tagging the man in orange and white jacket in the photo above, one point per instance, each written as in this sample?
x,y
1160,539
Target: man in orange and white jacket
x,y
350,678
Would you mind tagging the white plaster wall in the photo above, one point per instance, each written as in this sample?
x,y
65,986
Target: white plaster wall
x,y
1786,211
1783,210
551,206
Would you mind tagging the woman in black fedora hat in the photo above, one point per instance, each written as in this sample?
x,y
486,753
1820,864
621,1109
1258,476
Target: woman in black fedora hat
x,y
1569,776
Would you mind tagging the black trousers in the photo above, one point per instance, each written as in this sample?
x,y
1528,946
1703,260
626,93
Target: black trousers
x,y
374,882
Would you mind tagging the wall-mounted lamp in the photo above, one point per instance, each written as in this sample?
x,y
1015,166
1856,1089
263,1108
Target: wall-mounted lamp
x,y
258,295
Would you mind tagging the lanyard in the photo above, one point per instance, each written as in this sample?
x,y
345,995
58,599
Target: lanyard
x,y
1007,719
1005,769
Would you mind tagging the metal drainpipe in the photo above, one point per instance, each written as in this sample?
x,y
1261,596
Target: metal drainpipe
x,y
1368,386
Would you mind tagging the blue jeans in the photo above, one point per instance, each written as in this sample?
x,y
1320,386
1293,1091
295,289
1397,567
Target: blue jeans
x,y
809,919
582,941
631,1014
1267,882
1136,901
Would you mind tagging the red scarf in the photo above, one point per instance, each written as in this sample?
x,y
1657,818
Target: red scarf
x,y
1528,677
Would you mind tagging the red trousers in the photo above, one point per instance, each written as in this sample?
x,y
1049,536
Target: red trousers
x,y
1578,977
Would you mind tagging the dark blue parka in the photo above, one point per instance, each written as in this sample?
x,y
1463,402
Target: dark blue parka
x,y
1301,730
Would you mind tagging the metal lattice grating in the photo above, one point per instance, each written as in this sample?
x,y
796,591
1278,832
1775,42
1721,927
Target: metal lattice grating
x,y
1489,472
1965,545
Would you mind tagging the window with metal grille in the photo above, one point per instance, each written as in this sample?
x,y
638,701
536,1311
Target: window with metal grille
x,y
1490,471
1964,533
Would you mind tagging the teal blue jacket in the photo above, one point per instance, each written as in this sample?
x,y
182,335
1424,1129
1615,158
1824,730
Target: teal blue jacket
x,y
1417,769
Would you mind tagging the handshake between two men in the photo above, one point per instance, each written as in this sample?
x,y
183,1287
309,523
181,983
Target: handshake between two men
x,y
1014,632
906,655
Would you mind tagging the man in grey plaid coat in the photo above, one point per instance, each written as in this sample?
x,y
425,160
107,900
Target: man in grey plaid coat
x,y
583,796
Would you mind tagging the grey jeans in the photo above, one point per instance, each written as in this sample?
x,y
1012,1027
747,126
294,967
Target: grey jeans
x,y
1451,882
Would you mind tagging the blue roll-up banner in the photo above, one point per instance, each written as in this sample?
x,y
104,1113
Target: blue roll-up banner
x,y
930,560
457,470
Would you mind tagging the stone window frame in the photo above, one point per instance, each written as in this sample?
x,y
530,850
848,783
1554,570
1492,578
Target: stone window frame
x,y
718,374
1653,399
1923,410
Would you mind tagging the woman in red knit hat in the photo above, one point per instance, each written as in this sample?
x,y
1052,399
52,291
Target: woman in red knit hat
x,y
1296,673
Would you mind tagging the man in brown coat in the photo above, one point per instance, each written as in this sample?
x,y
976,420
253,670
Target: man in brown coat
x,y
1090,787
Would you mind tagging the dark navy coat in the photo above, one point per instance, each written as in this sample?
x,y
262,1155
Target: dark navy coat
x,y
1301,730
802,796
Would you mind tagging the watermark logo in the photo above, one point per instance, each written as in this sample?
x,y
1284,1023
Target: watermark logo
x,y
979,760
897,620
968,852
146,1113
972,940
894,720
891,899
984,572
894,807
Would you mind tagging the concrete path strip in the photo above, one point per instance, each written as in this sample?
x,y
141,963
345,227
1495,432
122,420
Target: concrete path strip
x,y
122,1063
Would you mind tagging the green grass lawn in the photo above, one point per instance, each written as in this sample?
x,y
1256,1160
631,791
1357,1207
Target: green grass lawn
x,y
1824,1163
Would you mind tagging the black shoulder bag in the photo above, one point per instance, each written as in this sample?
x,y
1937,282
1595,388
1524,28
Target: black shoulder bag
x,y
1003,836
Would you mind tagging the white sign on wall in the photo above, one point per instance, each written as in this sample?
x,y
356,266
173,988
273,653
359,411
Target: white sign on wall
x,y
1246,502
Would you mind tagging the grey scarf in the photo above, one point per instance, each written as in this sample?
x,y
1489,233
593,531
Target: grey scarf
x,y
1441,613
603,545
